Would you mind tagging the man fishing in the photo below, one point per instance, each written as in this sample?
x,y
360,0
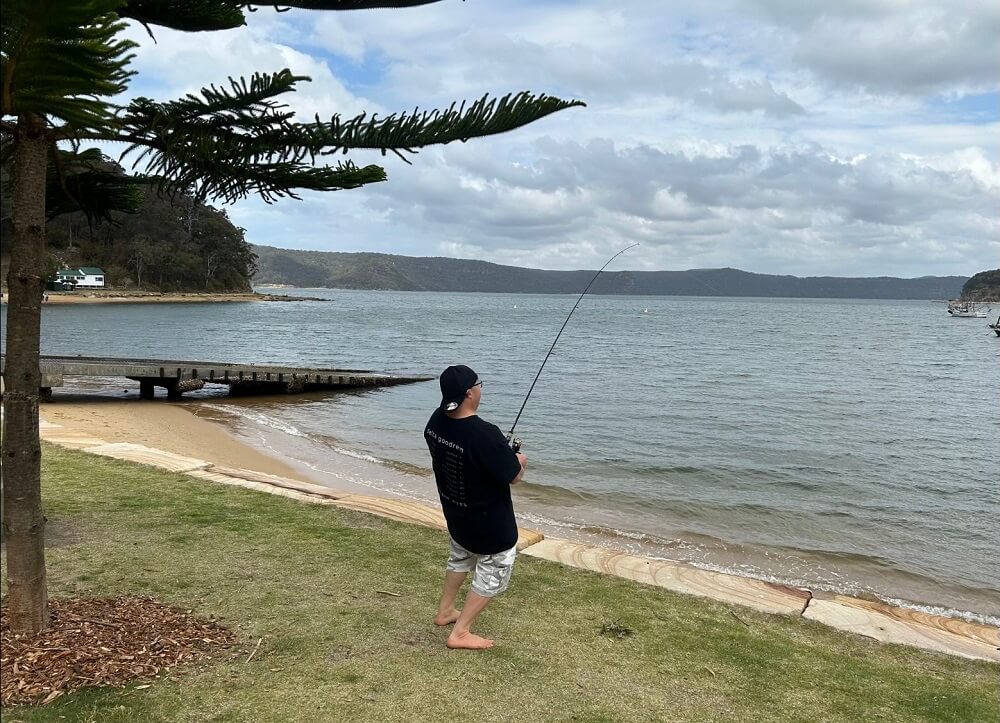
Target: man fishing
x,y
474,468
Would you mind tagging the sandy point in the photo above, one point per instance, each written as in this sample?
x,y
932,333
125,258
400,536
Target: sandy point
x,y
164,425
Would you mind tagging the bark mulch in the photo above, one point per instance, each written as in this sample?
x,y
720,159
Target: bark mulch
x,y
101,642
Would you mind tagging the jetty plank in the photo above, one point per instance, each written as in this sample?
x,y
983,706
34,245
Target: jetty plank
x,y
242,378
756,594
907,627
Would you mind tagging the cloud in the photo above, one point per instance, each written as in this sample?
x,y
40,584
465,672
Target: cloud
x,y
924,52
856,138
179,63
749,96
912,47
789,203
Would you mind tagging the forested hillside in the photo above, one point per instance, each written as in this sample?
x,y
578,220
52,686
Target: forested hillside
x,y
169,245
984,286
408,273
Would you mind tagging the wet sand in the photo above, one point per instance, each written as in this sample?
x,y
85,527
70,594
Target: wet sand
x,y
171,427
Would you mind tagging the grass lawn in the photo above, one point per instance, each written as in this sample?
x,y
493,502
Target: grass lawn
x,y
305,578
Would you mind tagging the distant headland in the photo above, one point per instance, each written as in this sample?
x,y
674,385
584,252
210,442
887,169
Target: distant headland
x,y
389,272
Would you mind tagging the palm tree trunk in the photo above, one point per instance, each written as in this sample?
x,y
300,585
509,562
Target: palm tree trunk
x,y
23,521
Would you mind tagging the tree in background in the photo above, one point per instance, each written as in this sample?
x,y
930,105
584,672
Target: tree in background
x,y
170,243
62,64
984,286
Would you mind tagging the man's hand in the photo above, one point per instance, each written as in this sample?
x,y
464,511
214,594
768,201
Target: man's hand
x,y
523,459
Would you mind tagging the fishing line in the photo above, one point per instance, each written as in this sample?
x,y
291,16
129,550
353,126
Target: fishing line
x,y
511,439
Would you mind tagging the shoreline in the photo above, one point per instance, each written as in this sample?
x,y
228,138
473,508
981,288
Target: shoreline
x,y
180,429
107,296
170,436
333,609
75,424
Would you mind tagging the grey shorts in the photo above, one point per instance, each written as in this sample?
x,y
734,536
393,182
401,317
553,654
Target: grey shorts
x,y
492,572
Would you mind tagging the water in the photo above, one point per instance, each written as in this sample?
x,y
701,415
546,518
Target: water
x,y
844,445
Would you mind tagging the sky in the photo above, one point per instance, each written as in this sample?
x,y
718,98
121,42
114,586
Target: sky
x,y
848,138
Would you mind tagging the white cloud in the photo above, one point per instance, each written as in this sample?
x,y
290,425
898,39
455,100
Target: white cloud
x,y
772,135
925,51
789,203
898,46
180,63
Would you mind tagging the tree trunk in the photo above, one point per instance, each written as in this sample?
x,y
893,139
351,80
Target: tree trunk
x,y
23,521
209,269
187,219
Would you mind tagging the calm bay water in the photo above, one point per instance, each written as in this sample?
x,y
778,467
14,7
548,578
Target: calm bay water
x,y
845,445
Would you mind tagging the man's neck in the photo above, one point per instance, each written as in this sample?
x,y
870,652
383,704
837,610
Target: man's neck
x,y
461,413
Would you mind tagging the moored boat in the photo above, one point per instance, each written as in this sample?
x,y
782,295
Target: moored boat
x,y
967,309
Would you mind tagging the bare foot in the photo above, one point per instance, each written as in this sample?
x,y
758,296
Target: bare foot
x,y
447,618
467,641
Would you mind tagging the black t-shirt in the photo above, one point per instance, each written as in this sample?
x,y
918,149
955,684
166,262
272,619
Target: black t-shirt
x,y
474,467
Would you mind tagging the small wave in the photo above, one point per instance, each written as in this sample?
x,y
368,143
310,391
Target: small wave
x,y
554,493
972,617
364,456
807,468
332,443
408,468
259,418
615,532
690,511
680,469
548,521
797,483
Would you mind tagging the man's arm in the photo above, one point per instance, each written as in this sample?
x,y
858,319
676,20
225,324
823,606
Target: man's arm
x,y
524,463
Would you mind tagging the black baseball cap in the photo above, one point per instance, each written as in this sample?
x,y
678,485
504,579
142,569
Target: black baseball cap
x,y
455,382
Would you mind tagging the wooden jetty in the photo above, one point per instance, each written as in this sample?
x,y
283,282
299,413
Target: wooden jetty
x,y
178,377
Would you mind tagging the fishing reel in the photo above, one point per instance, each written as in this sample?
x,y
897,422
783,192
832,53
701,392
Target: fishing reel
x,y
514,442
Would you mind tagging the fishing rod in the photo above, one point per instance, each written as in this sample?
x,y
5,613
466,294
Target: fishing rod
x,y
513,441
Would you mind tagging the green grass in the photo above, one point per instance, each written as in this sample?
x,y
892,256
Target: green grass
x,y
305,579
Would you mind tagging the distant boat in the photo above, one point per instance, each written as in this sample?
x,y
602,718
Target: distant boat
x,y
968,310
995,327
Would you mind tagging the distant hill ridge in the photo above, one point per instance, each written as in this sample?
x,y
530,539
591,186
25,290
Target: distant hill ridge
x,y
390,272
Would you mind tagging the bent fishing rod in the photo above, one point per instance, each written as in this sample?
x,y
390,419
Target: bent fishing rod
x,y
513,441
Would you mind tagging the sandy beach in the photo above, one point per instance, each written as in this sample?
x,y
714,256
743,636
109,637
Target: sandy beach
x,y
162,425
121,297
156,297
